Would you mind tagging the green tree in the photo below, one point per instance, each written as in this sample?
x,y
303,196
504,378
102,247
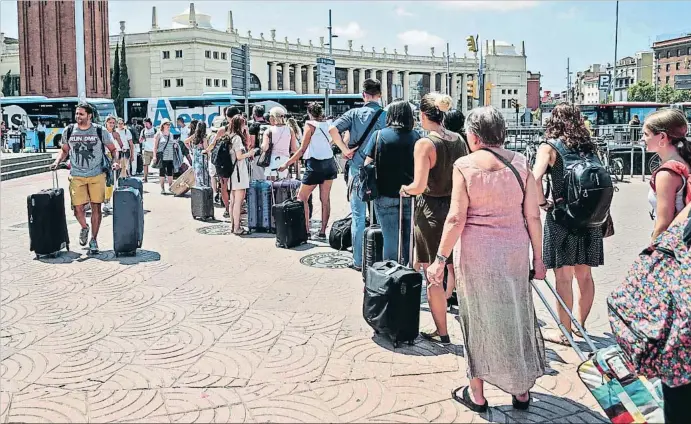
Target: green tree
x,y
666,94
124,88
682,96
641,91
115,81
7,85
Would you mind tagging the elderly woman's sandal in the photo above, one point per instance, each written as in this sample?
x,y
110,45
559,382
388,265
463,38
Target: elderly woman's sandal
x,y
465,399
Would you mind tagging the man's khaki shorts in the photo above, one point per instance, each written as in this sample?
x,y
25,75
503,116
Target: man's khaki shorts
x,y
147,157
85,190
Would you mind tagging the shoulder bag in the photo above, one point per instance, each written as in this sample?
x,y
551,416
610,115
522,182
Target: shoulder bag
x,y
159,155
265,157
367,176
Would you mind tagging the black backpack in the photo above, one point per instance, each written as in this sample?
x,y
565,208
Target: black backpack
x,y
587,193
221,156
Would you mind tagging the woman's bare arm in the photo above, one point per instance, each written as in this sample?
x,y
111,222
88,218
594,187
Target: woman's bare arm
x,y
424,149
531,211
458,213
667,184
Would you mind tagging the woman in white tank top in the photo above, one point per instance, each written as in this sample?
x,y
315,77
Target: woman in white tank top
x,y
283,140
664,133
320,167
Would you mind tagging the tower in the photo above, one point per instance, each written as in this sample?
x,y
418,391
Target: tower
x,y
47,48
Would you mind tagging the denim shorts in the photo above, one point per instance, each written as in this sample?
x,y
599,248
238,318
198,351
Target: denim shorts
x,y
319,170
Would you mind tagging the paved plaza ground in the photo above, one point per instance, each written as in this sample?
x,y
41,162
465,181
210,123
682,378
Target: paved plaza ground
x,y
209,327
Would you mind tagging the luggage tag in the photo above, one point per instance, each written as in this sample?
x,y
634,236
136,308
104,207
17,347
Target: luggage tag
x,y
393,269
619,368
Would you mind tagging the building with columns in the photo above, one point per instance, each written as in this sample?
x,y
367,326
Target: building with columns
x,y
191,57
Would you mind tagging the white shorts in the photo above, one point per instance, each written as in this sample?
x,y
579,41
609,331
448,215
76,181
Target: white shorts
x,y
212,170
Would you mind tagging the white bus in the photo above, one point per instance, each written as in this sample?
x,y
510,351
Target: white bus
x,y
54,113
210,105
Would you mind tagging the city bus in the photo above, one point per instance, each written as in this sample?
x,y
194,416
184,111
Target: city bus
x,y
54,113
685,107
619,113
210,105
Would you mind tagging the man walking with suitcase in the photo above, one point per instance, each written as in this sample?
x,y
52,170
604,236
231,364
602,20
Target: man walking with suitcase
x,y
360,123
86,144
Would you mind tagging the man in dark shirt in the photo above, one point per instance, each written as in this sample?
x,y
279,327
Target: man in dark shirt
x,y
356,122
256,124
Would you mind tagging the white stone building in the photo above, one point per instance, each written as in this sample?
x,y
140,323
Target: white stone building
x,y
506,78
191,57
9,62
630,70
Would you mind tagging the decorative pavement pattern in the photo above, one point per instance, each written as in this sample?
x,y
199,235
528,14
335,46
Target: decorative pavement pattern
x,y
226,329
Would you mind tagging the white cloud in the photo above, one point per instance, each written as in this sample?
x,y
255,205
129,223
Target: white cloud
x,y
499,6
400,11
351,31
420,38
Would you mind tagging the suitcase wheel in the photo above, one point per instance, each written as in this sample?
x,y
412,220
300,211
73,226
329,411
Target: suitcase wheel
x,y
395,345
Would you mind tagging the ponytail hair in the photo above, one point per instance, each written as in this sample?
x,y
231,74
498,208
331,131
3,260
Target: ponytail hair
x,y
673,123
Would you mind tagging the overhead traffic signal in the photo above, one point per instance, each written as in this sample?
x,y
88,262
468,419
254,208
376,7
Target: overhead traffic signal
x,y
472,46
470,89
512,103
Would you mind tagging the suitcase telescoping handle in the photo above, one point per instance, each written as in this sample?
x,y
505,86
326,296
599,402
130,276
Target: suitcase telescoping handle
x,y
412,231
56,182
561,326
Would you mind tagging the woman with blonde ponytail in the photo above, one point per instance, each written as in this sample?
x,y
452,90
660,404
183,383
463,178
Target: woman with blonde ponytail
x,y
434,157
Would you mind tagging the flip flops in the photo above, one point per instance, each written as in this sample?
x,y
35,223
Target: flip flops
x,y
465,400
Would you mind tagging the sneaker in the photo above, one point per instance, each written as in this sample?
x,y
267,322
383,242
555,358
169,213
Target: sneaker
x,y
84,236
436,338
107,209
93,247
226,214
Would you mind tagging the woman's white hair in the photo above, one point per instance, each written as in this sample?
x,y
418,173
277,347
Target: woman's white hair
x,y
278,114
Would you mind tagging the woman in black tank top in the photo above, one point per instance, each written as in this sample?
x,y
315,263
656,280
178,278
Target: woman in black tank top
x,y
434,158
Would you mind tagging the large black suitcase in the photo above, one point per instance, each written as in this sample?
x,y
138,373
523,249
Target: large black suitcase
x,y
202,203
372,244
128,221
134,183
47,221
391,303
291,228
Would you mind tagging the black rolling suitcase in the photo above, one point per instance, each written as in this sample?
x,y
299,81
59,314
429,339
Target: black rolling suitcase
x,y
134,183
47,221
128,221
372,244
291,228
392,296
202,202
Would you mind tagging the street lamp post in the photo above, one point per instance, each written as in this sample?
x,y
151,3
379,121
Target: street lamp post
x,y
327,90
81,55
616,40
448,71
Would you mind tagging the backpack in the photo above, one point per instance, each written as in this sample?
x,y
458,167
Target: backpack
x,y
588,190
680,169
221,156
650,313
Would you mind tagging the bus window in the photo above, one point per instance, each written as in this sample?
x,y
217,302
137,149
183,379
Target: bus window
x,y
620,116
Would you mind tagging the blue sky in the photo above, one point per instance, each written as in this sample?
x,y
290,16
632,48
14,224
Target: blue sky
x,y
552,30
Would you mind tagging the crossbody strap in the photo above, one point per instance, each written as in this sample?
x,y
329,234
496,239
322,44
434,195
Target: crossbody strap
x,y
511,167
369,128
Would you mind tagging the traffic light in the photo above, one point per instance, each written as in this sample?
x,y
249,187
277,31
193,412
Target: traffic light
x,y
472,47
512,103
470,88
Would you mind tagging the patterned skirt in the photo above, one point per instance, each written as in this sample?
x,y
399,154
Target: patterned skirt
x,y
562,248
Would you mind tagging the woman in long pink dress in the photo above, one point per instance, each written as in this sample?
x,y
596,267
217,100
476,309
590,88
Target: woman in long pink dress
x,y
493,221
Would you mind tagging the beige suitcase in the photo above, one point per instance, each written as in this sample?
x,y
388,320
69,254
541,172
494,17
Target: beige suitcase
x,y
183,184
